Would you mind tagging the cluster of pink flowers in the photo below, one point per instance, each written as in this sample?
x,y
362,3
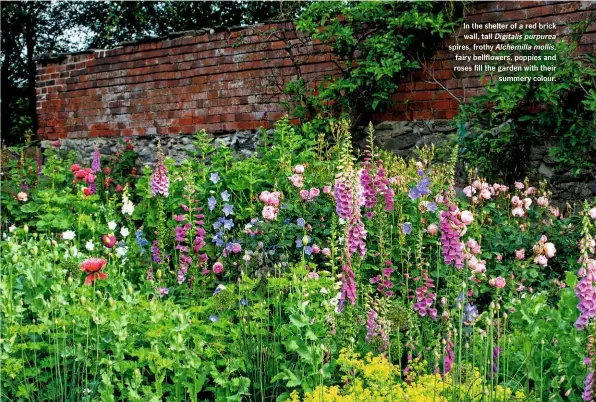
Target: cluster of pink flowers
x,y
348,198
185,260
297,178
453,227
384,280
498,282
477,267
271,201
425,297
375,330
449,354
217,268
87,175
586,288
309,195
520,206
160,182
543,251
348,287
374,182
481,190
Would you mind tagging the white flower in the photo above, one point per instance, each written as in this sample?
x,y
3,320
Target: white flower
x,y
89,245
324,291
12,228
74,251
68,235
112,225
128,208
124,231
121,251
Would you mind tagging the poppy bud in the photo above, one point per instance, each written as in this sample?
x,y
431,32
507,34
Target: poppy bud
x,y
83,300
69,280
98,293
15,258
129,289
35,250
111,301
26,228
158,274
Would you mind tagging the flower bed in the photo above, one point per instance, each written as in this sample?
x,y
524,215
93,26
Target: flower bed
x,y
298,274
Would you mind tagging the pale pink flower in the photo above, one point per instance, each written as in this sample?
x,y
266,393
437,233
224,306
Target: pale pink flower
x,y
530,190
476,184
592,213
520,254
549,250
270,212
541,260
299,169
314,192
297,180
518,212
519,185
527,203
543,238
432,229
485,193
515,201
327,189
473,246
467,218
304,195
499,257
22,196
542,202
498,282
468,191
326,252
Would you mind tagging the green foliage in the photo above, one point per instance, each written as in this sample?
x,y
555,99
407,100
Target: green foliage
x,y
513,117
374,45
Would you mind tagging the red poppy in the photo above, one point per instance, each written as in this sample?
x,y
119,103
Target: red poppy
x,y
108,240
93,267
87,191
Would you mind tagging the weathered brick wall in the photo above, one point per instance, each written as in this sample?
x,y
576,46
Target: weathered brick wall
x,y
231,81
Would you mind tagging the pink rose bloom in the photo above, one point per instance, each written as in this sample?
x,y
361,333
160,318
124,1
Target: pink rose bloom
x,y
473,263
304,195
468,191
542,202
327,189
297,180
107,170
326,252
541,260
485,193
274,198
473,246
499,282
504,188
467,218
314,192
265,197
299,169
543,238
217,268
592,213
315,248
432,229
90,178
22,196
476,184
527,203
481,268
270,212
118,188
75,167
530,190
499,257
520,254
236,248
549,250
519,185
555,212
474,200
517,212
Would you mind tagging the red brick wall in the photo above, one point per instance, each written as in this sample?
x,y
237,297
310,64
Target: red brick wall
x,y
230,81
